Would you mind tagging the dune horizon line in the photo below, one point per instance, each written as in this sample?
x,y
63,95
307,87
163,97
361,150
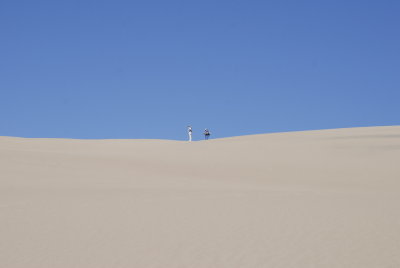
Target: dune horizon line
x,y
197,140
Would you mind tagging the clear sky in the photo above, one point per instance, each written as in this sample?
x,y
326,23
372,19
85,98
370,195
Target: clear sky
x,y
147,69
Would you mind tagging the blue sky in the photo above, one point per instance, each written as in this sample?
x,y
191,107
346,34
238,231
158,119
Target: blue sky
x,y
147,69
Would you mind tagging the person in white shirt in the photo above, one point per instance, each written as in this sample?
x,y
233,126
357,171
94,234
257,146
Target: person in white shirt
x,y
190,132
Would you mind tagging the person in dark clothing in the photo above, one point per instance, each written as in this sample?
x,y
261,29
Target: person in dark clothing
x,y
206,134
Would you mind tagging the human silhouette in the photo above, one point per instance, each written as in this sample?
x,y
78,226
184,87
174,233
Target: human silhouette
x,y
189,129
206,134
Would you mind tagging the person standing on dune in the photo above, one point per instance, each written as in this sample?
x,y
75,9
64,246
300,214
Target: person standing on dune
x,y
206,134
190,132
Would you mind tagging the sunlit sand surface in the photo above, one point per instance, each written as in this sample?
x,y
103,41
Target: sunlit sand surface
x,y
328,198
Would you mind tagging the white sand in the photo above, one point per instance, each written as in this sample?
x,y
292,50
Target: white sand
x,y
326,198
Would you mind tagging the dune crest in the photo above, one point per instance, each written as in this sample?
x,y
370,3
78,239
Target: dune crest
x,y
328,198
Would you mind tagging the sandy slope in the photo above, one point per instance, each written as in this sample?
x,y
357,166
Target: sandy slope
x,y
326,198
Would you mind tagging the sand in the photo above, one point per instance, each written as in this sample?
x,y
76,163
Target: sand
x,y
328,198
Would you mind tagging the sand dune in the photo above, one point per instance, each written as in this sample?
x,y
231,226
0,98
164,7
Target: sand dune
x,y
328,198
